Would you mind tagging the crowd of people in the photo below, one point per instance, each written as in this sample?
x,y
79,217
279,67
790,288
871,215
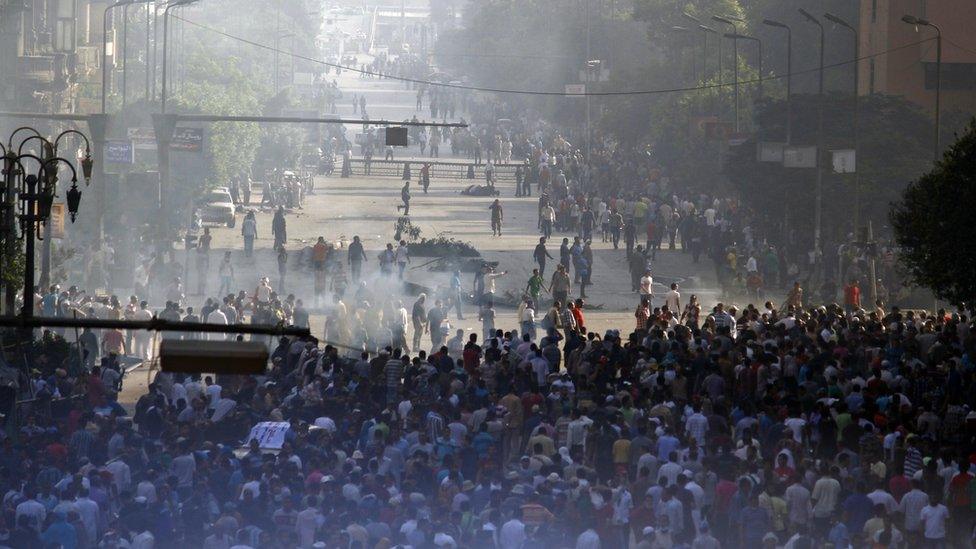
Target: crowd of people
x,y
759,427
793,421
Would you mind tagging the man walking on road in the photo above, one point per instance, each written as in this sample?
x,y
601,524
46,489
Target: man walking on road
x,y
278,228
497,215
405,197
419,317
560,284
540,254
456,293
249,230
402,258
356,257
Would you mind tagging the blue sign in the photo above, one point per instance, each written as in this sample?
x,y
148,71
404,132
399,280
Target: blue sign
x,y
119,152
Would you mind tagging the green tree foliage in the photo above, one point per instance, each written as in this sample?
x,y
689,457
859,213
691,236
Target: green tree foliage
x,y
219,86
932,220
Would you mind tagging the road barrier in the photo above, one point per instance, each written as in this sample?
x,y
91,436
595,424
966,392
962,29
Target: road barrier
x,y
438,169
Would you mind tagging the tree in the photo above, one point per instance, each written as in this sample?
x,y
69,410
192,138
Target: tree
x,y
932,225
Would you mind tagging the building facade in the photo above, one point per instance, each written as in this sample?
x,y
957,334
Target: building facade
x,y
909,67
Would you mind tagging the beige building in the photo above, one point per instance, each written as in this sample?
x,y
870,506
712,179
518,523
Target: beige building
x,y
909,68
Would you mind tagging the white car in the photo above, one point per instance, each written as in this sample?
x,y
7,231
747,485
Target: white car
x,y
219,208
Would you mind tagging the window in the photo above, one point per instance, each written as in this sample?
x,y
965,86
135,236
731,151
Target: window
x,y
64,25
871,77
955,76
874,11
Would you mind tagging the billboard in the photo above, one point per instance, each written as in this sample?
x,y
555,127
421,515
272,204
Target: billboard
x,y
187,140
767,151
119,152
844,160
800,157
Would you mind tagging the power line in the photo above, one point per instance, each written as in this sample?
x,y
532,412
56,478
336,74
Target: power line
x,y
548,93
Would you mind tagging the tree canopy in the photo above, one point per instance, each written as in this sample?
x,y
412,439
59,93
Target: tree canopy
x,y
931,223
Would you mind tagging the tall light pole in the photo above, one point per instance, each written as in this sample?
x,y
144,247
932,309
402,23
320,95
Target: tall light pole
x,y
149,18
171,5
758,42
818,204
789,75
702,28
912,20
735,65
857,63
115,48
277,45
588,61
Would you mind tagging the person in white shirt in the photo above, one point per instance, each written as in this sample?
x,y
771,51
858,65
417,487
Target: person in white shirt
x,y
402,256
217,317
934,518
673,299
589,539
33,509
140,337
646,286
89,512
512,535
212,391
825,495
880,497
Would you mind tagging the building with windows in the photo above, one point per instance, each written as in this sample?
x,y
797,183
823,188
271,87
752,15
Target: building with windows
x,y
909,67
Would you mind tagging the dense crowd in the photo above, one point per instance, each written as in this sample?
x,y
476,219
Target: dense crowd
x,y
785,424
738,428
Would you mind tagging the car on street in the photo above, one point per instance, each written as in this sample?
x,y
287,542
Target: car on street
x,y
219,208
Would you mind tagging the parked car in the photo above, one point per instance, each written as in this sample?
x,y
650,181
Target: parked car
x,y
219,208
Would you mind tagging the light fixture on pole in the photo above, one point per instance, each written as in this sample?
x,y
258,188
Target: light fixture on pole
x,y
818,203
171,5
758,43
735,65
857,51
105,69
918,22
789,75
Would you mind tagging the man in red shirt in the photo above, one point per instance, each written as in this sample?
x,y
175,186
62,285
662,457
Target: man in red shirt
x,y
578,315
852,296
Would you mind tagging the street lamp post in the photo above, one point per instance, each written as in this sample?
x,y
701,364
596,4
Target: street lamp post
x,y
818,203
702,28
759,44
171,5
857,173
277,42
10,174
115,48
917,22
789,75
735,66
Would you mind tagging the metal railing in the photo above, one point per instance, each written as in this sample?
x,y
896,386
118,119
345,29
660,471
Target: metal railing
x,y
438,169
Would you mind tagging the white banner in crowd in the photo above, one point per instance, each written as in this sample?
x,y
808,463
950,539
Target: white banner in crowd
x,y
269,434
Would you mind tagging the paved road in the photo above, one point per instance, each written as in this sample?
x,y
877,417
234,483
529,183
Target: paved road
x,y
342,208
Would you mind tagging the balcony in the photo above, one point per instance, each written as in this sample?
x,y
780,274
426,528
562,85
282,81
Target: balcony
x,y
38,69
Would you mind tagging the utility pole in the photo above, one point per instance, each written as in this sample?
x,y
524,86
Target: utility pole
x,y
919,22
818,204
735,65
789,75
586,141
857,63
